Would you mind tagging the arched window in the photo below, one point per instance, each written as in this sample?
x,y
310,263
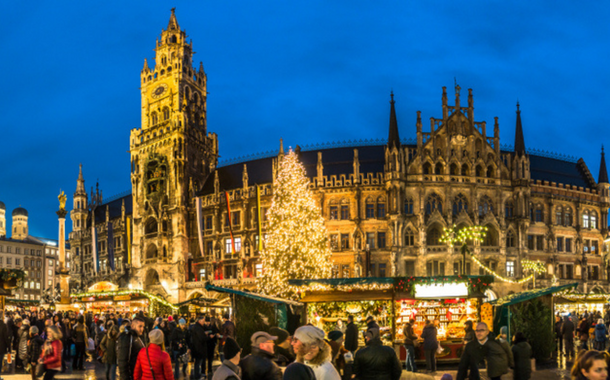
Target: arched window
x,y
465,169
593,218
409,206
151,251
490,171
166,113
558,215
438,169
427,168
567,217
510,240
151,226
433,236
460,203
370,208
154,118
539,214
433,203
453,169
173,39
333,211
585,219
187,93
344,209
381,207
485,206
479,171
491,237
509,209
409,237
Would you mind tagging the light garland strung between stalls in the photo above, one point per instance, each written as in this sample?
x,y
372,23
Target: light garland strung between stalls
x,y
499,277
126,293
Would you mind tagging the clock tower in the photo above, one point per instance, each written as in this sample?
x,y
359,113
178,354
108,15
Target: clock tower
x,y
171,156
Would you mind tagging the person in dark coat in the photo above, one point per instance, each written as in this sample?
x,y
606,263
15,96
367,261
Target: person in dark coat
x,y
583,333
212,332
226,331
430,345
485,347
34,350
229,369
351,335
179,346
567,331
108,346
199,346
522,354
283,354
376,361
559,335
299,371
370,322
259,364
81,335
129,345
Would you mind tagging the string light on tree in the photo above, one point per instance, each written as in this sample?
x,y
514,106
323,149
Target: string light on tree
x,y
297,240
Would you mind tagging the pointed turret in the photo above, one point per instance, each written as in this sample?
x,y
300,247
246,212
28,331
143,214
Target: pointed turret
x,y
146,68
519,142
603,172
393,139
201,71
173,22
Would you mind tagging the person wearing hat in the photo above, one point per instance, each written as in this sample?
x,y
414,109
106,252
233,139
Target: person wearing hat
x,y
504,343
311,349
376,361
337,351
283,356
229,370
153,362
178,345
259,364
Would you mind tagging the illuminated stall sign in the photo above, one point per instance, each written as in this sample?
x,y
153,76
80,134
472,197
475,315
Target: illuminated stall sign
x,y
103,286
441,290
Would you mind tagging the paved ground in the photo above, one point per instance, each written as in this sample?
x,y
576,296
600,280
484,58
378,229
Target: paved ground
x,y
558,370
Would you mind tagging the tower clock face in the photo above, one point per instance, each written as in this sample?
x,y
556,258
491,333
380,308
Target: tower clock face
x,y
159,91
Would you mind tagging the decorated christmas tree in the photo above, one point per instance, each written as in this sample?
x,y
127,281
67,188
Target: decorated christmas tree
x,y
296,246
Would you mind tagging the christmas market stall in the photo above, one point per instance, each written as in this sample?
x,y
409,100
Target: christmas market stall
x,y
9,279
254,312
446,300
103,297
517,311
571,302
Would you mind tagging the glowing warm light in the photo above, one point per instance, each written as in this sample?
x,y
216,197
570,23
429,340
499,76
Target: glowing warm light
x,y
297,240
441,290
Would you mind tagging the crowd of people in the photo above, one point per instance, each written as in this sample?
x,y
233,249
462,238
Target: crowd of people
x,y
137,346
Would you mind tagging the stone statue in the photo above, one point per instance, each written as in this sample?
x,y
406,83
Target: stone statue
x,y
62,200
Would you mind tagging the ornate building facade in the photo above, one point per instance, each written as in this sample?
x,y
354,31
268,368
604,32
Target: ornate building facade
x,y
386,204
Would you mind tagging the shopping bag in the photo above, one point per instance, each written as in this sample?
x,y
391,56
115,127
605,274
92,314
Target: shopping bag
x,y
90,345
39,370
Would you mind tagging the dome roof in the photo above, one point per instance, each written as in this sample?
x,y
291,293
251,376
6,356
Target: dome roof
x,y
2,206
20,211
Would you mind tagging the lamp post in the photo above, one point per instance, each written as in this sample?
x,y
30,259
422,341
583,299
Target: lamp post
x,y
583,263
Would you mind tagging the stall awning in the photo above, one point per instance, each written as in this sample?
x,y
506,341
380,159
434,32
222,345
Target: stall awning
x,y
200,301
344,281
256,296
583,298
512,299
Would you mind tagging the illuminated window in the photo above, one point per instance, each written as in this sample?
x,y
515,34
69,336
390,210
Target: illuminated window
x,y
345,271
370,240
259,270
593,219
334,242
38,285
510,268
485,206
585,220
202,274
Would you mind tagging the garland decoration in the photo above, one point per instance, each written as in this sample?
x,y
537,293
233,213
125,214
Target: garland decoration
x,y
12,274
132,293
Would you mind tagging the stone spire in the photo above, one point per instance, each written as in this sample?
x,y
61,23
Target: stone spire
x,y
393,139
173,22
519,142
603,172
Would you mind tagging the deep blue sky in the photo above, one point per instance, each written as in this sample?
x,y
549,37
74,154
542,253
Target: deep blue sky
x,y
310,72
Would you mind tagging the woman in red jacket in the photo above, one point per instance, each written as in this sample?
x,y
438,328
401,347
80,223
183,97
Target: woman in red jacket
x,y
51,353
154,359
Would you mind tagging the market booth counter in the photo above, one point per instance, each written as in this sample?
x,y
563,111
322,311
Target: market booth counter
x,y
104,297
392,301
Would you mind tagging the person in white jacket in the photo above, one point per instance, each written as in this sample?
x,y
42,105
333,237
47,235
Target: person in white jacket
x,y
311,349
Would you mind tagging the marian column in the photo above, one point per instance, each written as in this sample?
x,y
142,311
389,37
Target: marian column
x,y
64,274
